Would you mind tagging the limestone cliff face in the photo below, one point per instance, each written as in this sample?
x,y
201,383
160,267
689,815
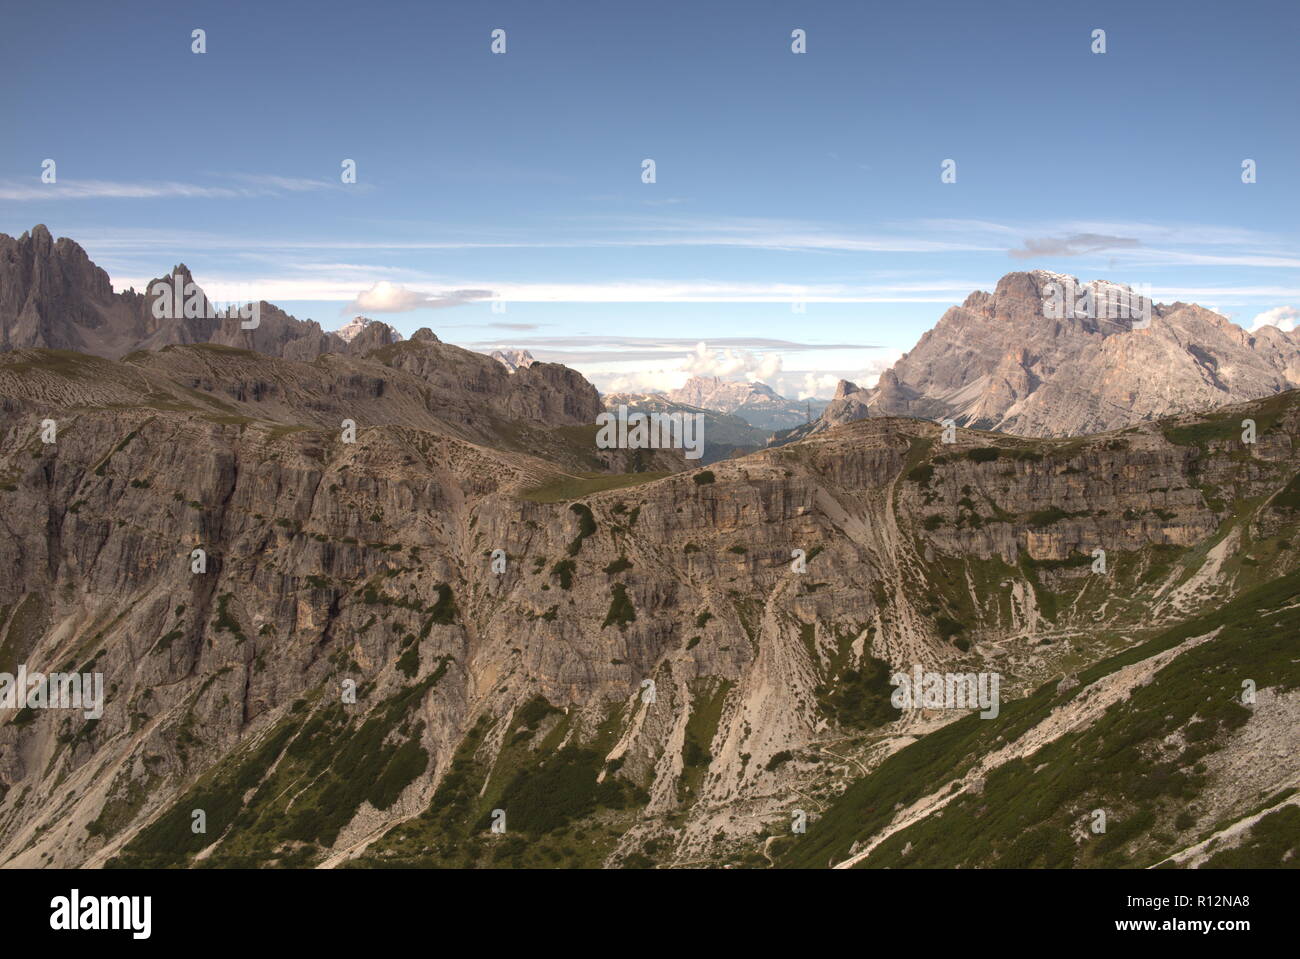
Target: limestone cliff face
x,y
52,296
374,564
999,362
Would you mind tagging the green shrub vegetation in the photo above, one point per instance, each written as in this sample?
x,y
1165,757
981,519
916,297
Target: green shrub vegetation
x,y
564,570
620,608
859,697
778,760
586,526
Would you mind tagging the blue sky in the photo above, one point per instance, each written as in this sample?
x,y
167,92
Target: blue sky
x,y
780,178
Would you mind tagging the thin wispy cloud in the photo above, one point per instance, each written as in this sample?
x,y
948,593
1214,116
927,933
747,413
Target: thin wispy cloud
x,y
679,343
1190,234
386,296
292,268
586,233
289,184
1076,244
246,185
112,189
1202,294
1184,258
1129,245
708,291
390,297
680,355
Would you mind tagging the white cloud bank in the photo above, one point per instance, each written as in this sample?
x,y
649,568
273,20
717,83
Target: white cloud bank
x,y
728,364
386,297
1283,317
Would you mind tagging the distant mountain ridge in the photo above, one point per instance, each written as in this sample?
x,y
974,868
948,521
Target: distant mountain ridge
x,y
725,434
996,362
756,403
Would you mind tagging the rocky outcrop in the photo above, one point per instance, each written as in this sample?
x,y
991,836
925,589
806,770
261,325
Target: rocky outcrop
x,y
849,403
364,334
543,392
52,296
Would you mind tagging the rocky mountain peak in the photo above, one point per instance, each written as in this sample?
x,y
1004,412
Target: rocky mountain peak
x,y
180,273
53,296
1002,361
368,335
349,330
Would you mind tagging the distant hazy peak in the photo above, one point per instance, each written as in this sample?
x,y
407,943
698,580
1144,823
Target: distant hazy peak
x,y
513,359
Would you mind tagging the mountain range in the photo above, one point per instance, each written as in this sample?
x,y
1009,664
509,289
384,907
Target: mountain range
x,y
426,603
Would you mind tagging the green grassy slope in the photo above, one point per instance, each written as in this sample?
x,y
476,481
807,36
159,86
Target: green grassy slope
x,y
1035,811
